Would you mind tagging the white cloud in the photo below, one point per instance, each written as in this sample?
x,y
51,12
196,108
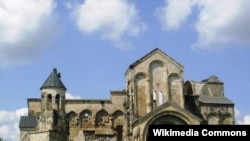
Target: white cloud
x,y
112,19
9,121
218,23
70,96
24,25
242,119
246,120
170,16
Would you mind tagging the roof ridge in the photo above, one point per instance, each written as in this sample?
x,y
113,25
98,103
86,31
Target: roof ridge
x,y
138,61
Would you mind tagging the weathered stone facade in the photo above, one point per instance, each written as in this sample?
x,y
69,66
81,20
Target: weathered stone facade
x,y
155,94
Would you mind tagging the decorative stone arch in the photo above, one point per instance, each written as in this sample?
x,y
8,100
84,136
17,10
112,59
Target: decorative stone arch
x,y
169,117
102,119
71,114
157,87
73,122
213,118
118,118
117,114
140,92
188,89
156,61
73,119
154,66
164,118
175,88
227,119
86,119
139,74
119,124
156,72
85,114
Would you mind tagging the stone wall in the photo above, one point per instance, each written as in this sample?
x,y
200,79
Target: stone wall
x,y
157,75
97,118
34,106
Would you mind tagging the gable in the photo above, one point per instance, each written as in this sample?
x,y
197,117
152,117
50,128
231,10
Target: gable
x,y
153,53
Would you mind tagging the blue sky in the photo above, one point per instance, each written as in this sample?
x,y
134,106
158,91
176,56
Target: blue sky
x,y
92,43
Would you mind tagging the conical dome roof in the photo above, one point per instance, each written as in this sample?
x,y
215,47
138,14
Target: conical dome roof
x,y
54,80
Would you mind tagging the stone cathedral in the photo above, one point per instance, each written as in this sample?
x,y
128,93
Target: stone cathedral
x,y
155,93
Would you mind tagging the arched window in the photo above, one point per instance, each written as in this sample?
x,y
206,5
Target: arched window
x,y
160,98
86,120
85,114
58,101
49,104
102,119
118,117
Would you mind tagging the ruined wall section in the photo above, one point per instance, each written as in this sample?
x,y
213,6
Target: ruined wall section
x,y
206,100
98,119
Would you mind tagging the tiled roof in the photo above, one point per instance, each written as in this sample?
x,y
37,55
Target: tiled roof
x,y
54,80
214,99
27,122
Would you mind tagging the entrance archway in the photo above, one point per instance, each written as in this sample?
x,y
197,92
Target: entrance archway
x,y
165,119
168,119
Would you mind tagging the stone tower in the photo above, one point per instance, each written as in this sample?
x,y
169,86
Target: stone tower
x,y
52,118
49,122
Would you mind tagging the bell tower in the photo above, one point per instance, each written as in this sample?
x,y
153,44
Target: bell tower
x,y
52,118
53,93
